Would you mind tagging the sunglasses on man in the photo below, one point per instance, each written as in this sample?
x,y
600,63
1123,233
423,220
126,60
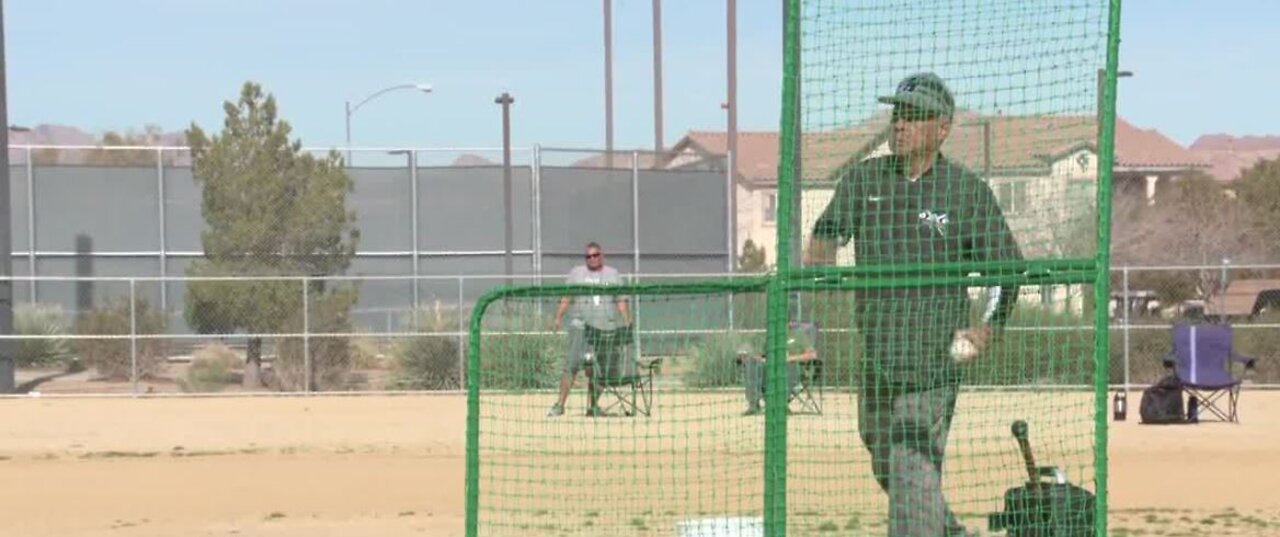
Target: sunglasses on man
x,y
912,114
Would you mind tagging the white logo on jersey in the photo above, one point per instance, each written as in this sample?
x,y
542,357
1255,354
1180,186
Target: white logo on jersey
x,y
935,221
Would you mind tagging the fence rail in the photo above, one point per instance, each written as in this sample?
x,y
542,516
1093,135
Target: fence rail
x,y
1146,303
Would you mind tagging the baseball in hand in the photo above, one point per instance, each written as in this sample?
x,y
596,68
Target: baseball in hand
x,y
962,348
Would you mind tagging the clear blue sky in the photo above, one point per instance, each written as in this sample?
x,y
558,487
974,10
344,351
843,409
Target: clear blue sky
x,y
1200,66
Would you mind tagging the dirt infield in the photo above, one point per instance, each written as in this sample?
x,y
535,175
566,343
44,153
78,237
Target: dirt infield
x,y
393,466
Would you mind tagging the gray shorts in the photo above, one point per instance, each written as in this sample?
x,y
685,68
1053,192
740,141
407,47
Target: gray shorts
x,y
576,355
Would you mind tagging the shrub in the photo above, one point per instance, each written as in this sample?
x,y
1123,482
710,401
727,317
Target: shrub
x,y
521,361
112,358
331,356
1147,348
366,353
517,349
712,359
1038,346
428,362
45,320
211,369
1263,344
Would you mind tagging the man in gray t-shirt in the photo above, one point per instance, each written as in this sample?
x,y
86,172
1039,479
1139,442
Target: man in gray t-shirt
x,y
604,312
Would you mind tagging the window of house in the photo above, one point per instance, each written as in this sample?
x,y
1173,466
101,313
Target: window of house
x,y
770,208
1012,196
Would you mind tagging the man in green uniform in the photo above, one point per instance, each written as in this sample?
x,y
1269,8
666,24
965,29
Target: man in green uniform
x,y
915,207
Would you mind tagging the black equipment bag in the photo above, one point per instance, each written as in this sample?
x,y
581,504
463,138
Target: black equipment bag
x,y
1162,402
1044,509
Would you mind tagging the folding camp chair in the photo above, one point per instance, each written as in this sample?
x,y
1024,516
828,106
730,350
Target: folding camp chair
x,y
808,390
1201,361
804,377
613,368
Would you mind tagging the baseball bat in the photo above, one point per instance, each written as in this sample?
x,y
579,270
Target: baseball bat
x,y
1020,433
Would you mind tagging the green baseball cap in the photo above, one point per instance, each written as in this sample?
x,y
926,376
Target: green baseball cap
x,y
925,92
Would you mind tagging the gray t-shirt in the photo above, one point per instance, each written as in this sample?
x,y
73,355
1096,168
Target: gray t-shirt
x,y
600,311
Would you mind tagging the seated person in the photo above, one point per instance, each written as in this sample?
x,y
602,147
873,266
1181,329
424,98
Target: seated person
x,y
799,349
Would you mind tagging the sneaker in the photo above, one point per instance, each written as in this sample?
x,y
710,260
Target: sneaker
x,y
555,410
753,411
594,411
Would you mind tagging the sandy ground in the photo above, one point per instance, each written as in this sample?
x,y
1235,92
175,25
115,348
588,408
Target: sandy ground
x,y
393,466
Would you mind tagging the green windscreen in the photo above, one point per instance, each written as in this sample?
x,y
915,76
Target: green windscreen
x,y
830,396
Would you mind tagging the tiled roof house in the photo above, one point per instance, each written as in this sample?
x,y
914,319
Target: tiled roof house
x,y
1042,169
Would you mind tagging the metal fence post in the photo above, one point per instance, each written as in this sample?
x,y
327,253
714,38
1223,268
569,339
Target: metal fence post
x,y
164,285
730,230
635,246
306,335
31,225
1124,286
535,210
635,212
462,338
1225,279
413,201
133,335
535,193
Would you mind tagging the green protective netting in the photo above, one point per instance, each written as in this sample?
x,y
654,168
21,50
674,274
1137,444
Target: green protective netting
x,y
666,442
870,426
887,241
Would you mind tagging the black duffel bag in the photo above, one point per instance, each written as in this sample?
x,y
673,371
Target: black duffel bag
x,y
1162,402
1042,508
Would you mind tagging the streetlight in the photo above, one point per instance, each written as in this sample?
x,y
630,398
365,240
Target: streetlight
x,y
413,222
1102,80
7,371
505,101
424,88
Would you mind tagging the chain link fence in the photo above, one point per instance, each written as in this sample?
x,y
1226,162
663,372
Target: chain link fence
x,y
1146,302
294,334
252,334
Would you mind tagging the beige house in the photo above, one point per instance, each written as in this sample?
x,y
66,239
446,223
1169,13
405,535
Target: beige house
x,y
1043,170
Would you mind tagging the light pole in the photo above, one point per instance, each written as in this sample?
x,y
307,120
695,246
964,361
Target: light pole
x,y
1102,81
608,83
7,368
424,88
657,78
505,100
413,222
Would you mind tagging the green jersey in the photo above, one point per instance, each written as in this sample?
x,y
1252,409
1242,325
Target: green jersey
x,y
947,215
798,342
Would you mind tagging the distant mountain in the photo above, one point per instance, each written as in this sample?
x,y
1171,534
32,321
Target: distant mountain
x,y
65,135
470,159
1230,155
51,135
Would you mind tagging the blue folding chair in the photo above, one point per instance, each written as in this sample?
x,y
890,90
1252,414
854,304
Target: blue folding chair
x,y
1201,359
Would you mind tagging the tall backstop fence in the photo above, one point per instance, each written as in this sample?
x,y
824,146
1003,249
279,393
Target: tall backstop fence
x,y
137,212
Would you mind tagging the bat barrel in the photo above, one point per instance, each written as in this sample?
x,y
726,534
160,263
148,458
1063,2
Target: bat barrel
x,y
1019,430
